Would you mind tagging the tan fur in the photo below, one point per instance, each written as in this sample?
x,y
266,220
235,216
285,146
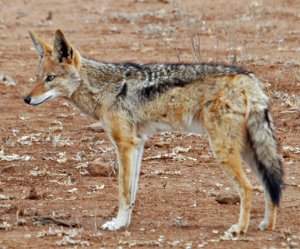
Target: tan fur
x,y
134,101
38,90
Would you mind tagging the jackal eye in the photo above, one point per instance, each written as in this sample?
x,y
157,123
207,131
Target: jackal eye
x,y
50,78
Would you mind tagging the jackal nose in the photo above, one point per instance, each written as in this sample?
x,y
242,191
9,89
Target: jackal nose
x,y
27,99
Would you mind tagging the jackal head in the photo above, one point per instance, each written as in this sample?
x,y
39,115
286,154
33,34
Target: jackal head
x,y
58,71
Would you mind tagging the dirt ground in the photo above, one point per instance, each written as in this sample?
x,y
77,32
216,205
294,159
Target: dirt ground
x,y
56,169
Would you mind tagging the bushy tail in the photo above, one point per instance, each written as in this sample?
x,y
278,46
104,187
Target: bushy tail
x,y
263,141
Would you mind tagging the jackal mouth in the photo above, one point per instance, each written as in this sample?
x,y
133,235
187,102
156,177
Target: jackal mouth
x,y
28,100
34,104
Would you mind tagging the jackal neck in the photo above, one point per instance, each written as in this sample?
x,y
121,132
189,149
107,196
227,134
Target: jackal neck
x,y
97,86
83,97
85,101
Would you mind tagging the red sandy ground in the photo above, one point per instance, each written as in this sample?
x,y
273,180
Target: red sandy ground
x,y
261,35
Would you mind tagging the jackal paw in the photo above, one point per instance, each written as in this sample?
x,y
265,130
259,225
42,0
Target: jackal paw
x,y
232,233
113,225
264,225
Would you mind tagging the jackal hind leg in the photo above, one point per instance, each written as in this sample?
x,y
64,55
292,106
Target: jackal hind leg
x,y
269,220
226,147
231,163
270,214
130,151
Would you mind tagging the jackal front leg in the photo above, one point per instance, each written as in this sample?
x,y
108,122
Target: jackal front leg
x,y
130,151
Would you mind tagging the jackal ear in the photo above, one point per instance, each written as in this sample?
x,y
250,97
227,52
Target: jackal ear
x,y
62,50
42,47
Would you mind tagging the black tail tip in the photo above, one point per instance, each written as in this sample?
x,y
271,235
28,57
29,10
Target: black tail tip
x,y
275,185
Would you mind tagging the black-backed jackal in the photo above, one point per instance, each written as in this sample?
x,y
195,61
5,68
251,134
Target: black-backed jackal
x,y
133,101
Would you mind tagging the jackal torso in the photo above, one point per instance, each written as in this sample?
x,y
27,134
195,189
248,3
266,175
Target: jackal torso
x,y
157,97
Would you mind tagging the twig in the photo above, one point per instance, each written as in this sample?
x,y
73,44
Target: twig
x,y
177,54
46,220
196,47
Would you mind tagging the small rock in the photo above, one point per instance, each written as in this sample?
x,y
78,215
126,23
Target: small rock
x,y
8,208
21,222
180,222
5,197
95,127
5,226
227,199
73,190
32,195
286,154
7,80
50,16
162,145
127,233
101,169
27,236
